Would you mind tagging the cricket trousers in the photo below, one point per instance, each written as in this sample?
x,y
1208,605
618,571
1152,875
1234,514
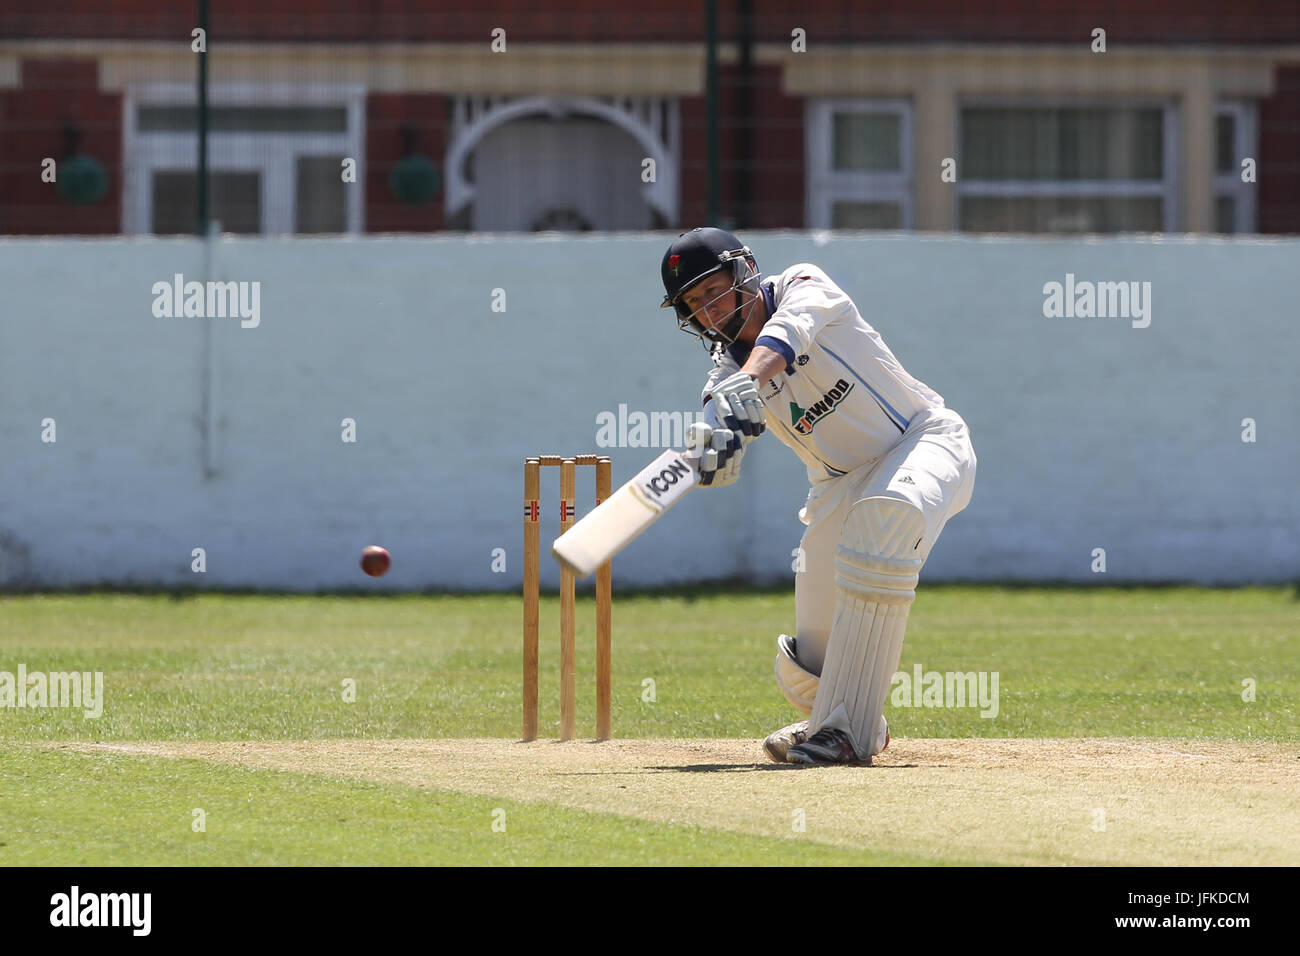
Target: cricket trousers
x,y
932,466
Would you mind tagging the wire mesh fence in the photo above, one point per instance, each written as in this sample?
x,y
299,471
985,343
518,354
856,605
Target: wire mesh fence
x,y
288,117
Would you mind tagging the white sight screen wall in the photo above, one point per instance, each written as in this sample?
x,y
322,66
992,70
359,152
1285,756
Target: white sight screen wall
x,y
1091,433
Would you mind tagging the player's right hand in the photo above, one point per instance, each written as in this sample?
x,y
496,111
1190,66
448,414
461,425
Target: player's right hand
x,y
718,451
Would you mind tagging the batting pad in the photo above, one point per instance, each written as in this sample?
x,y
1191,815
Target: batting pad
x,y
876,568
797,683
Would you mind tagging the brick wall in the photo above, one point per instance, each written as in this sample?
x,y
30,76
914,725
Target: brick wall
x,y
777,163
56,92
1279,156
53,94
1046,21
387,115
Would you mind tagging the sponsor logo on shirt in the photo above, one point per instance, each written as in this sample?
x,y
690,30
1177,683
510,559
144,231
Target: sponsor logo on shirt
x,y
805,420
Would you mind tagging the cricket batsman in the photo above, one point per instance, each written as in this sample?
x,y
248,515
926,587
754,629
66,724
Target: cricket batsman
x,y
888,463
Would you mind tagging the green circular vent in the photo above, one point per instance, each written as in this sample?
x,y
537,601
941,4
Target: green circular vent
x,y
81,180
414,180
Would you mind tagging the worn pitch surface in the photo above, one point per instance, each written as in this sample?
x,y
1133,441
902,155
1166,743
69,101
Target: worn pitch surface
x,y
1045,801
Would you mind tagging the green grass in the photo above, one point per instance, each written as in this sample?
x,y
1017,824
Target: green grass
x,y
1071,662
75,809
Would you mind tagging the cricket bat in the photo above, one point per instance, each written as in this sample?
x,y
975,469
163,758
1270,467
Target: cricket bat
x,y
616,522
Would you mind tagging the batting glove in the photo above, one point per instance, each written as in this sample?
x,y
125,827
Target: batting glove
x,y
718,451
737,405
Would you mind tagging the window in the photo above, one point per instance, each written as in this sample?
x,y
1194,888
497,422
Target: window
x,y
234,200
275,159
859,156
321,205
1066,168
1234,200
243,119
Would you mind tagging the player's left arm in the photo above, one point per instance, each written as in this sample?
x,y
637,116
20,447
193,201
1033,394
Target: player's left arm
x,y
809,302
764,364
736,416
735,400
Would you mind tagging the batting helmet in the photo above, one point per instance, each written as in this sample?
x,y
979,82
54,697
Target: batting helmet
x,y
696,255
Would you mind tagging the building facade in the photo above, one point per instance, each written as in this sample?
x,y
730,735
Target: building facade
x,y
353,117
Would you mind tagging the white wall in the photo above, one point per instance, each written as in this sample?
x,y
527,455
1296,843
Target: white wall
x,y
1089,433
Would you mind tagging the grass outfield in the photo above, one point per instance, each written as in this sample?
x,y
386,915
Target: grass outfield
x,y
1134,665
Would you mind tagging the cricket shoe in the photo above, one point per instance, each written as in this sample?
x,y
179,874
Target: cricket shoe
x,y
778,744
828,747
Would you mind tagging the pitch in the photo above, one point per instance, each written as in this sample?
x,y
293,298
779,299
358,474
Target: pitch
x,y
1132,726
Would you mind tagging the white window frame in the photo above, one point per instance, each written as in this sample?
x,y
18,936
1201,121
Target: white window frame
x,y
826,185
1245,143
1167,188
273,156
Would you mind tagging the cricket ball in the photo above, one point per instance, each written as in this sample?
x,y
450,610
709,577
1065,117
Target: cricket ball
x,y
375,561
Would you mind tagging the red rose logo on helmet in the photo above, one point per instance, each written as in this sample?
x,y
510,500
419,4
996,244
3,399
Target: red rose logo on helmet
x,y
673,261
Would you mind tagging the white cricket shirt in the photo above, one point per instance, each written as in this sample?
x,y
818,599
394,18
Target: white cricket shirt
x,y
843,400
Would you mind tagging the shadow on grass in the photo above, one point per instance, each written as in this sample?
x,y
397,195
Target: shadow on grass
x,y
685,768
724,768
